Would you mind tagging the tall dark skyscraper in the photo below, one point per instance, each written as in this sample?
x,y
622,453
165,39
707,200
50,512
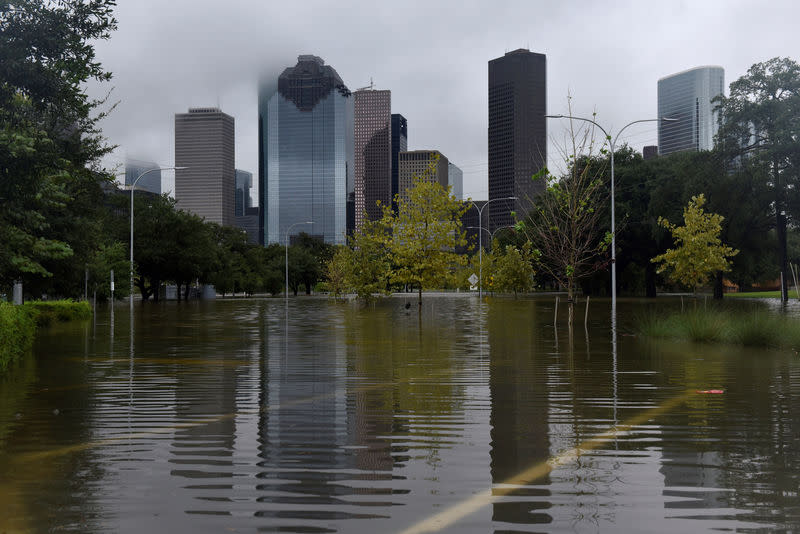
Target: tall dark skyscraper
x,y
305,160
204,143
517,132
373,153
399,144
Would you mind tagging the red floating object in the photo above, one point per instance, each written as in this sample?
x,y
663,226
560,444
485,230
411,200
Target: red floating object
x,y
711,391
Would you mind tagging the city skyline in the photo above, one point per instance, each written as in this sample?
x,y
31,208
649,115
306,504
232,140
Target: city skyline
x,y
438,83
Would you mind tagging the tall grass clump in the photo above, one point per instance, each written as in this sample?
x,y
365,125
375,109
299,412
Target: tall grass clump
x,y
750,329
61,311
17,329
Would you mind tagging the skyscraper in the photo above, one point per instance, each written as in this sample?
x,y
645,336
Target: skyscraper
x,y
517,132
455,179
399,144
687,96
204,143
373,153
246,215
150,181
244,183
305,131
417,163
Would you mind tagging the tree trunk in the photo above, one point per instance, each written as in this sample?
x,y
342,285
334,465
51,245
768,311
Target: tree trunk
x,y
178,290
155,285
718,289
420,296
650,280
187,287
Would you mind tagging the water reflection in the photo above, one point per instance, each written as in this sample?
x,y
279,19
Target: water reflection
x,y
234,415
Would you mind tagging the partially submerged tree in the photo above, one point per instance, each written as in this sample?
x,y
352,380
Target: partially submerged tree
x,y
513,271
564,223
699,252
424,235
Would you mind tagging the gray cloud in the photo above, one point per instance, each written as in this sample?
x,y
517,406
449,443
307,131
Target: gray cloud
x,y
169,56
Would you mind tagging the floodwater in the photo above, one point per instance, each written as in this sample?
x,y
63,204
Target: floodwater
x,y
242,416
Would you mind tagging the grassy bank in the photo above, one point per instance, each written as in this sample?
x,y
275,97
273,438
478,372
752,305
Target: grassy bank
x,y
18,324
758,295
749,329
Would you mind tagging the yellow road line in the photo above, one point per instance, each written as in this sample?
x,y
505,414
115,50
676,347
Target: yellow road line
x,y
464,508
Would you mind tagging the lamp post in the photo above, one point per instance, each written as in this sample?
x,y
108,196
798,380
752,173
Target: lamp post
x,y
613,142
133,186
286,288
491,234
480,239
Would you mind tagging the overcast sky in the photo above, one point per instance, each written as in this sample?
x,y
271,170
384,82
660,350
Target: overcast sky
x,y
168,56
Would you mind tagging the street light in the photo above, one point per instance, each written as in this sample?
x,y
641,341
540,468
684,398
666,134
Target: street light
x,y
133,185
480,239
613,226
491,234
286,289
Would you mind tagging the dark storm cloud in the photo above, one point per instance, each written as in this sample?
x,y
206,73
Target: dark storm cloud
x,y
169,56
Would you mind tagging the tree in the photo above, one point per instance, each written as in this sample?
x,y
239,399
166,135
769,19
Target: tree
x,y
48,136
513,271
424,234
338,269
369,261
564,223
760,126
699,251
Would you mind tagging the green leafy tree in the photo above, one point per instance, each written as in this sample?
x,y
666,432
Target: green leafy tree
x,y
760,127
699,252
369,264
513,271
425,232
108,257
48,136
230,266
338,269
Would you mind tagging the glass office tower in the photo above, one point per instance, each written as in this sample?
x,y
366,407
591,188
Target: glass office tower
x,y
305,153
687,97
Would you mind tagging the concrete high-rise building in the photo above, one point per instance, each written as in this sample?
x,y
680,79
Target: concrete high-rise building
x,y
399,144
150,181
204,143
455,179
373,153
517,132
305,164
687,96
418,163
649,152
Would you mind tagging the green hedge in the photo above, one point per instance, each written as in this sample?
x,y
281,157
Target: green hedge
x,y
18,324
17,328
61,311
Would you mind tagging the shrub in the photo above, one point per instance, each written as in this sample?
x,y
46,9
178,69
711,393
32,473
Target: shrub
x,y
59,311
17,328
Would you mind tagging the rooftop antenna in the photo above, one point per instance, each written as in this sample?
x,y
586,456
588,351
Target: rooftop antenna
x,y
371,86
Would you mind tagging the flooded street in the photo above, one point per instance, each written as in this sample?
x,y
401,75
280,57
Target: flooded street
x,y
242,416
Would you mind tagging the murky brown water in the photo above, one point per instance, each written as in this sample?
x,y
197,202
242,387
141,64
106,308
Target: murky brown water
x,y
224,417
